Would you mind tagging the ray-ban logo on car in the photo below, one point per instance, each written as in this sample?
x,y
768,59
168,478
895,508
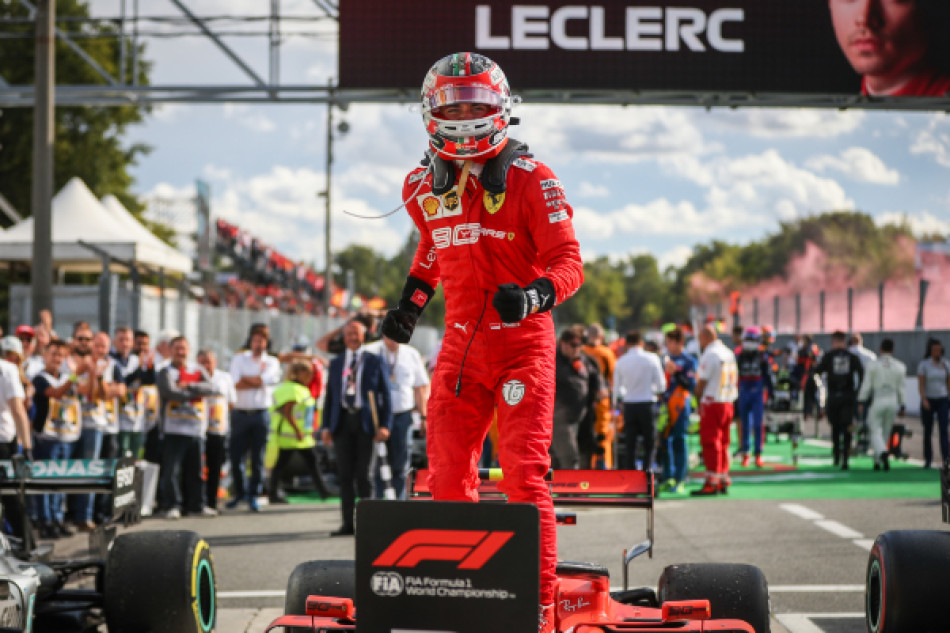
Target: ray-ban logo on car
x,y
470,548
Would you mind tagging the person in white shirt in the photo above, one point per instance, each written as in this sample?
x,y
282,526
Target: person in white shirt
x,y
218,410
182,389
255,374
933,379
33,362
94,375
866,356
638,379
409,390
884,382
856,347
14,426
717,387
163,347
114,392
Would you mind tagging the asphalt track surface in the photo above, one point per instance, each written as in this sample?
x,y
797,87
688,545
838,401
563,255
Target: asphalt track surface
x,y
809,536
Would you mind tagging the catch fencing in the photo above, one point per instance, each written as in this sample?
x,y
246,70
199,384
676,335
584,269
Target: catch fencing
x,y
894,306
221,329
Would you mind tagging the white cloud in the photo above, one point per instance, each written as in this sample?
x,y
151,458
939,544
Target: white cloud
x,y
747,194
858,163
783,123
758,185
588,189
923,223
168,112
281,208
675,257
657,217
251,118
217,173
611,133
934,140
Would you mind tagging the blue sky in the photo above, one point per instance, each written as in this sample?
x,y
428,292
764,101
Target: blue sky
x,y
641,179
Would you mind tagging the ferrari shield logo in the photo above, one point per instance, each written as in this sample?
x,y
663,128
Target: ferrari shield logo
x,y
451,200
493,201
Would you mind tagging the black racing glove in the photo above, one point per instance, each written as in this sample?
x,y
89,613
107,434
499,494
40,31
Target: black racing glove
x,y
514,303
401,320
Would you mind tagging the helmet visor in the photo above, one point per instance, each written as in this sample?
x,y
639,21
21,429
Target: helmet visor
x,y
451,95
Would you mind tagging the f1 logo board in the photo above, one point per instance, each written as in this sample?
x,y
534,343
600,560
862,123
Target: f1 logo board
x,y
447,567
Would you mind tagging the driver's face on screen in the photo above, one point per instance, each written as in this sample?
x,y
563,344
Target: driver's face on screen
x,y
879,37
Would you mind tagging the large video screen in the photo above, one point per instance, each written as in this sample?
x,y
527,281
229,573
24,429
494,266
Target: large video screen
x,y
807,47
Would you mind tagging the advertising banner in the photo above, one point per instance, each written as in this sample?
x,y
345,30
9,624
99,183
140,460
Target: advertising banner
x,y
788,47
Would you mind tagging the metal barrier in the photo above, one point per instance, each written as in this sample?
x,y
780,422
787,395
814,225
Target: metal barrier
x,y
221,329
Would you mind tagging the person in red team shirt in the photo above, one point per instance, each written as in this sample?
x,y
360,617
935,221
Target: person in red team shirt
x,y
894,44
496,230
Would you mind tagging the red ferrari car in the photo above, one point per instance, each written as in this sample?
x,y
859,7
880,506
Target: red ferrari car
x,y
322,596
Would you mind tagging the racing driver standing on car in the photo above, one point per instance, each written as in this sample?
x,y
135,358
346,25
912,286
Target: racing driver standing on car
x,y
496,230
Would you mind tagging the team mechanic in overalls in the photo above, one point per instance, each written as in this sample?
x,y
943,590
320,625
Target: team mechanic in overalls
x,y
496,230
755,383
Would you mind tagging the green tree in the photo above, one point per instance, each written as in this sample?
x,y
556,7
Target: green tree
x,y
376,275
645,290
88,139
394,280
851,241
367,266
598,299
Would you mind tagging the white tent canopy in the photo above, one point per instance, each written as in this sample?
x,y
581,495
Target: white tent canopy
x,y
77,215
146,240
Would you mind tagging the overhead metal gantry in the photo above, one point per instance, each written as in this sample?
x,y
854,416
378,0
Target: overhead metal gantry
x,y
134,28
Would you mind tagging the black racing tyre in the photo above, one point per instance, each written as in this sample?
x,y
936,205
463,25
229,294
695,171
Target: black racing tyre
x,y
335,578
734,591
907,578
160,582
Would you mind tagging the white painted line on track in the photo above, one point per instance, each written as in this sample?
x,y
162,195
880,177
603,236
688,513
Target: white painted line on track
x,y
815,588
802,622
801,511
262,593
797,623
838,529
829,525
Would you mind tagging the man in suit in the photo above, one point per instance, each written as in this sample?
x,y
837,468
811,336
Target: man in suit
x,y
348,423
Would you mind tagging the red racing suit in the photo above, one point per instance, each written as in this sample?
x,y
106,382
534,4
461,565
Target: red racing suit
x,y
472,245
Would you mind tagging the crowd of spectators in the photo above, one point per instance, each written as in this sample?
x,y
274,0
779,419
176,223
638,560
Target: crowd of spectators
x,y
266,279
655,383
619,404
206,430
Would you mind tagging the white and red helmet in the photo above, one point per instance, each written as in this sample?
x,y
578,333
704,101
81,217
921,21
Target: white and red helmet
x,y
466,78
